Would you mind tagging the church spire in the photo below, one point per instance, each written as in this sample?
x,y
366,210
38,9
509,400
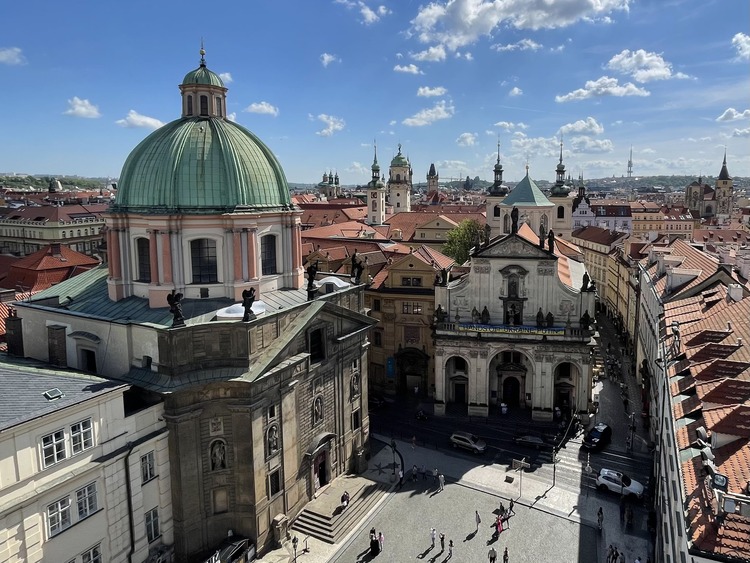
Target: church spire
x,y
724,174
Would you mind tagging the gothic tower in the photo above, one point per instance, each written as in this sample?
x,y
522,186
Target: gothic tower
x,y
432,179
376,195
496,194
399,183
724,189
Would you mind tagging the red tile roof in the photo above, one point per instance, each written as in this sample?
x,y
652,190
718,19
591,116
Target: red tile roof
x,y
46,267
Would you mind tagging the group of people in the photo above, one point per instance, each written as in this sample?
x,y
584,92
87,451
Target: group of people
x,y
376,541
615,556
434,536
492,555
435,476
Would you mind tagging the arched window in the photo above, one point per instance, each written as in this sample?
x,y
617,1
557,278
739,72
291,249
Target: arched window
x,y
79,232
560,212
203,261
496,211
143,254
268,255
63,234
218,106
71,234
190,105
544,222
204,105
506,223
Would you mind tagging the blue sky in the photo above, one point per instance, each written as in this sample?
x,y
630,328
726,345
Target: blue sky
x,y
320,80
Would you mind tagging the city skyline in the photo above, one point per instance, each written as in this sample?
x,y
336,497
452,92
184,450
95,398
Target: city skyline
x,y
446,80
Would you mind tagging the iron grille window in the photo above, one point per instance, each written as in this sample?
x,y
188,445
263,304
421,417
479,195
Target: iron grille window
x,y
274,483
143,249
203,257
268,255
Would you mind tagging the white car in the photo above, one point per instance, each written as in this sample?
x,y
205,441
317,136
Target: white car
x,y
609,479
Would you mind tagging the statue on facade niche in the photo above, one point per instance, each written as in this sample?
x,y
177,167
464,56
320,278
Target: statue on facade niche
x,y
440,315
514,220
551,241
586,280
550,319
586,320
511,316
175,307
475,316
485,316
540,318
218,456
248,298
273,439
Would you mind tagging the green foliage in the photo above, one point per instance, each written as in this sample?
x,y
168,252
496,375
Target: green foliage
x,y
462,239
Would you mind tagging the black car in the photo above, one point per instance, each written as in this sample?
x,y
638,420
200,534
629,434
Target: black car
x,y
530,441
598,437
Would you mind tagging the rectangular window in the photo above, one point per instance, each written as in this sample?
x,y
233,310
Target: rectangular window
x,y
317,346
416,282
93,555
58,516
406,308
376,304
148,467
374,205
406,282
274,483
268,255
82,436
416,308
152,524
356,420
144,259
203,261
86,500
377,339
421,235
271,412
204,105
53,446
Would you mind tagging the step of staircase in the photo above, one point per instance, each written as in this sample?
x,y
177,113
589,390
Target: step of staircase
x,y
330,526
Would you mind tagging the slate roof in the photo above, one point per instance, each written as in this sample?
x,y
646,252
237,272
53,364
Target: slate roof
x,y
26,381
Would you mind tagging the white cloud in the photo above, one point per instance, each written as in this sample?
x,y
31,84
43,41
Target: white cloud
x,y
81,108
522,45
509,125
467,140
357,168
515,91
434,54
604,86
731,114
535,146
741,132
232,117
392,122
441,110
11,56
457,23
647,151
589,126
408,69
643,66
262,108
399,56
135,119
450,165
226,77
328,58
426,91
587,144
741,42
332,124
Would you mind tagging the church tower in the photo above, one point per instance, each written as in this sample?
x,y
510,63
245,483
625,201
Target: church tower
x,y
399,183
724,190
432,180
376,195
561,221
495,195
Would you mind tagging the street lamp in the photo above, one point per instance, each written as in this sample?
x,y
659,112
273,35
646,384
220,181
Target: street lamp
x,y
294,545
554,466
393,450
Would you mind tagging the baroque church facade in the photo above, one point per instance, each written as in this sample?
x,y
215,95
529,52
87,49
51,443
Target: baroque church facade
x,y
203,306
711,202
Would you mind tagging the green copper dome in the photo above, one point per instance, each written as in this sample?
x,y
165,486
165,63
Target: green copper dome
x,y
202,75
201,165
399,159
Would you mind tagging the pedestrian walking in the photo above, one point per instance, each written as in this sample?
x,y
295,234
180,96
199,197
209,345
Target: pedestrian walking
x,y
381,540
441,478
610,552
450,549
510,507
600,518
423,471
442,542
435,475
477,518
433,535
622,557
400,478
505,555
492,554
637,560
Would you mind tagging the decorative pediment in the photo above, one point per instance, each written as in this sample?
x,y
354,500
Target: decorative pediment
x,y
513,246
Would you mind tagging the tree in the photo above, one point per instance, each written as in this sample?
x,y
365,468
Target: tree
x,y
462,239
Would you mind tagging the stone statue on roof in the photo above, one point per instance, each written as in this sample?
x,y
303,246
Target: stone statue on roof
x,y
514,220
248,298
175,307
551,240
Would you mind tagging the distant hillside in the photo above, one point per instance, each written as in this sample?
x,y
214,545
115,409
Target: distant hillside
x,y
41,182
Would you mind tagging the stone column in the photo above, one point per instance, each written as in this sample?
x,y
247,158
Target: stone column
x,y
439,381
166,256
153,256
237,255
116,270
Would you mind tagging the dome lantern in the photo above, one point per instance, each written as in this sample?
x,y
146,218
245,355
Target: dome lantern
x,y
203,92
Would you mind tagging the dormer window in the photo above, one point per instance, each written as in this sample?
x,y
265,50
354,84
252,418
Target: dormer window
x,y
190,105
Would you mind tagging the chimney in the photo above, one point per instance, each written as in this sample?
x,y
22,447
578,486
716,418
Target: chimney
x,y
729,326
735,292
739,342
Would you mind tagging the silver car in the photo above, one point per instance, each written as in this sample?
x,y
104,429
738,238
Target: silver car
x,y
468,441
609,479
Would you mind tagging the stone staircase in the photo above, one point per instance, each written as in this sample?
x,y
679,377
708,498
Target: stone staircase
x,y
323,517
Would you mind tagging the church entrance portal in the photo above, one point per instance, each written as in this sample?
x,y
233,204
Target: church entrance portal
x,y
321,470
412,370
511,391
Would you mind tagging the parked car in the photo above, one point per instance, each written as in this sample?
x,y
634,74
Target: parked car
x,y
530,441
468,441
598,437
609,479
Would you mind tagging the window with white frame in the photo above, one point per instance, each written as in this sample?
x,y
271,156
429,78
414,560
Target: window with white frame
x,y
82,436
86,500
53,447
152,524
148,467
58,516
93,555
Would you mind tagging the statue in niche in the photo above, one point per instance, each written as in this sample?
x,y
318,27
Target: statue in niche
x,y
317,409
514,220
542,235
550,319
586,320
440,314
218,456
551,241
475,316
539,318
175,307
485,316
511,315
312,271
586,280
273,439
513,287
355,385
248,298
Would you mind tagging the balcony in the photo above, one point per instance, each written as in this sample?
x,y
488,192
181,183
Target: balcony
x,y
514,332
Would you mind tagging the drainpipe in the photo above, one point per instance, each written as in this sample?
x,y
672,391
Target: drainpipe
x,y
130,446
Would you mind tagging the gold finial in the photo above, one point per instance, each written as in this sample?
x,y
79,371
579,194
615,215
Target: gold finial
x,y
202,53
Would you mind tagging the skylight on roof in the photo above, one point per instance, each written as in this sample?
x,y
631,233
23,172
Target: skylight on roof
x,y
53,394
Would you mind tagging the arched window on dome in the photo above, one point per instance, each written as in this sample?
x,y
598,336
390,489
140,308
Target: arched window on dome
x,y
203,261
219,112
560,212
204,105
496,211
190,105
506,223
143,259
268,255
